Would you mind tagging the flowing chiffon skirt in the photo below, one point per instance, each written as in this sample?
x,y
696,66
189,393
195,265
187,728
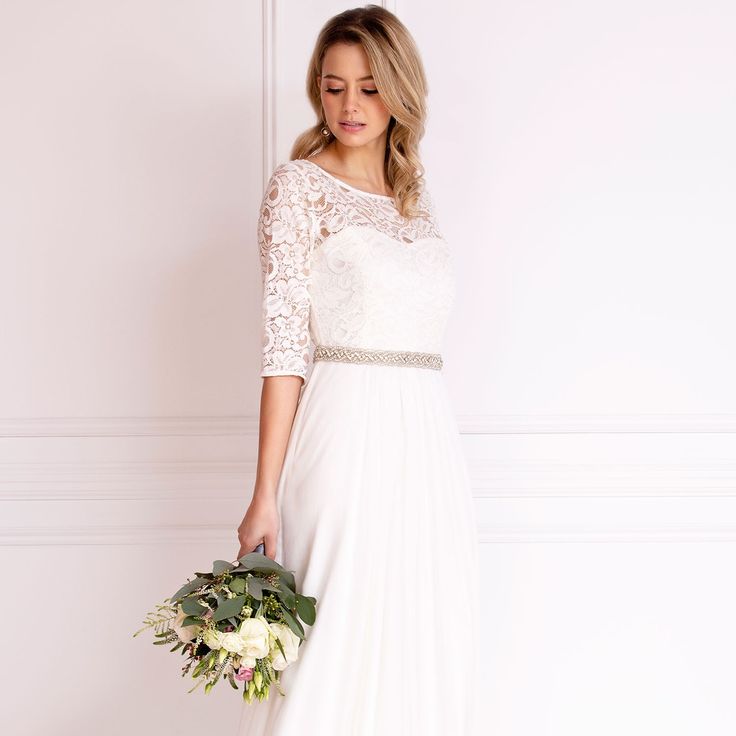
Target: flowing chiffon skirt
x,y
377,522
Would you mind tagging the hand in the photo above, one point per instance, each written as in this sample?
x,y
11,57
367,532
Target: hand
x,y
260,524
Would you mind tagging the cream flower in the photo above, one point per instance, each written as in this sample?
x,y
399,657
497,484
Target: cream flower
x,y
255,634
232,642
212,638
185,633
290,642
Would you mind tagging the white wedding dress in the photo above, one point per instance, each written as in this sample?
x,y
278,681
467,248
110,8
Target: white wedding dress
x,y
377,519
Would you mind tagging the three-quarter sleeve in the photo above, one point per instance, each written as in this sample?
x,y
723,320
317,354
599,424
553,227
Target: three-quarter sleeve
x,y
285,243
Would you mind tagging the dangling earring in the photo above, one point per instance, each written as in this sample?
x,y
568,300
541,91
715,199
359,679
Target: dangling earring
x,y
325,131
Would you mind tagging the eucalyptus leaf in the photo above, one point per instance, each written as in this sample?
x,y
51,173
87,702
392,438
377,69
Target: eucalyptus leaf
x,y
237,585
229,607
255,587
294,625
257,561
288,579
188,588
270,586
220,566
192,607
305,609
192,621
288,598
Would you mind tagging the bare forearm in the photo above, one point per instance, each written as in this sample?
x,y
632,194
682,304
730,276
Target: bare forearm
x,y
279,399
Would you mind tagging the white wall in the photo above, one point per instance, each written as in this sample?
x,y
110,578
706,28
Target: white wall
x,y
582,161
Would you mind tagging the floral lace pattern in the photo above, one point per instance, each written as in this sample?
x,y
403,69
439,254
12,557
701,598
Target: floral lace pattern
x,y
342,266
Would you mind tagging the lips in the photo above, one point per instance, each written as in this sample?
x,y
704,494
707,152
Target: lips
x,y
351,122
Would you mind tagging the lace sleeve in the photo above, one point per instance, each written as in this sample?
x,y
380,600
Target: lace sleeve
x,y
285,243
428,205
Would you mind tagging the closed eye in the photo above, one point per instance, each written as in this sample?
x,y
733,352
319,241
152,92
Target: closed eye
x,y
335,90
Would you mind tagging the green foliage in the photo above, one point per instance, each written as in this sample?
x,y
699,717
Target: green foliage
x,y
293,624
192,606
287,596
305,608
187,588
237,585
256,562
220,566
281,647
159,619
254,586
229,607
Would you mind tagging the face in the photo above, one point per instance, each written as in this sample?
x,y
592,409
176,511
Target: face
x,y
349,93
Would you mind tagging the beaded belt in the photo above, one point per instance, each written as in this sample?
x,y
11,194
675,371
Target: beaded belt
x,y
377,357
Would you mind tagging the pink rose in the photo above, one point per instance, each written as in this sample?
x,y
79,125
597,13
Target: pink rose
x,y
244,674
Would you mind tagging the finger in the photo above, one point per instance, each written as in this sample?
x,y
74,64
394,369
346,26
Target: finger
x,y
244,548
270,546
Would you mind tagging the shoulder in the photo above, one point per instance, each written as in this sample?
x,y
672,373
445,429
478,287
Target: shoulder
x,y
289,173
428,209
287,187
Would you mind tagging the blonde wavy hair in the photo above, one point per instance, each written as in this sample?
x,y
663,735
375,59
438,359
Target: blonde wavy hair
x,y
400,79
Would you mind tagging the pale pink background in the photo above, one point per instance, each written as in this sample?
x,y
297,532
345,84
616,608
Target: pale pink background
x,y
582,158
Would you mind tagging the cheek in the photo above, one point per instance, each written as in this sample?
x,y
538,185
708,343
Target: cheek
x,y
379,109
327,100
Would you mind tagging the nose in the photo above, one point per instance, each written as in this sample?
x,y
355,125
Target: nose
x,y
350,99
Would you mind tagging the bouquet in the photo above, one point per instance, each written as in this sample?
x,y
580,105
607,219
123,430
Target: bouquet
x,y
240,622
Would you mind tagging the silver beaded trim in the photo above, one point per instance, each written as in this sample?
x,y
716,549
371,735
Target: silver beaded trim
x,y
377,357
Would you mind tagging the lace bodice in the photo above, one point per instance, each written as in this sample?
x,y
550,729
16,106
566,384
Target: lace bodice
x,y
341,266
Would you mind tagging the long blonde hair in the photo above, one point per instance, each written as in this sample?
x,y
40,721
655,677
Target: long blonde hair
x,y
399,76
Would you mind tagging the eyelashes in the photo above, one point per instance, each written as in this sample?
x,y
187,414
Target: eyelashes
x,y
335,90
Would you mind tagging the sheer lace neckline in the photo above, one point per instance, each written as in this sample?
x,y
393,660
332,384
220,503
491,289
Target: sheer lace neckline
x,y
349,186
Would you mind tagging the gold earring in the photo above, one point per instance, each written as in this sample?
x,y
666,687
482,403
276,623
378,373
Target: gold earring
x,y
325,131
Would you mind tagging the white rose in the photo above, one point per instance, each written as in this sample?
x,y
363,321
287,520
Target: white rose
x,y
185,633
231,642
255,634
290,642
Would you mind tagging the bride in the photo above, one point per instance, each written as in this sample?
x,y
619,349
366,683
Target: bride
x,y
361,486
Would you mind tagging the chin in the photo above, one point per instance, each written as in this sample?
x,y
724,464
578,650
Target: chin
x,y
351,142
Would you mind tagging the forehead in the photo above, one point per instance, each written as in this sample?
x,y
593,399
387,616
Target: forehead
x,y
346,62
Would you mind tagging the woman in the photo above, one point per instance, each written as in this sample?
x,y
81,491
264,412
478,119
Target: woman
x,y
361,487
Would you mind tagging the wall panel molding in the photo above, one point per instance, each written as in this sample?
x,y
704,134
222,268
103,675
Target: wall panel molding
x,y
597,423
221,534
490,424
490,479
268,30
199,426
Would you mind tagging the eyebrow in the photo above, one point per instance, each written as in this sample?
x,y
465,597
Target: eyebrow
x,y
334,76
